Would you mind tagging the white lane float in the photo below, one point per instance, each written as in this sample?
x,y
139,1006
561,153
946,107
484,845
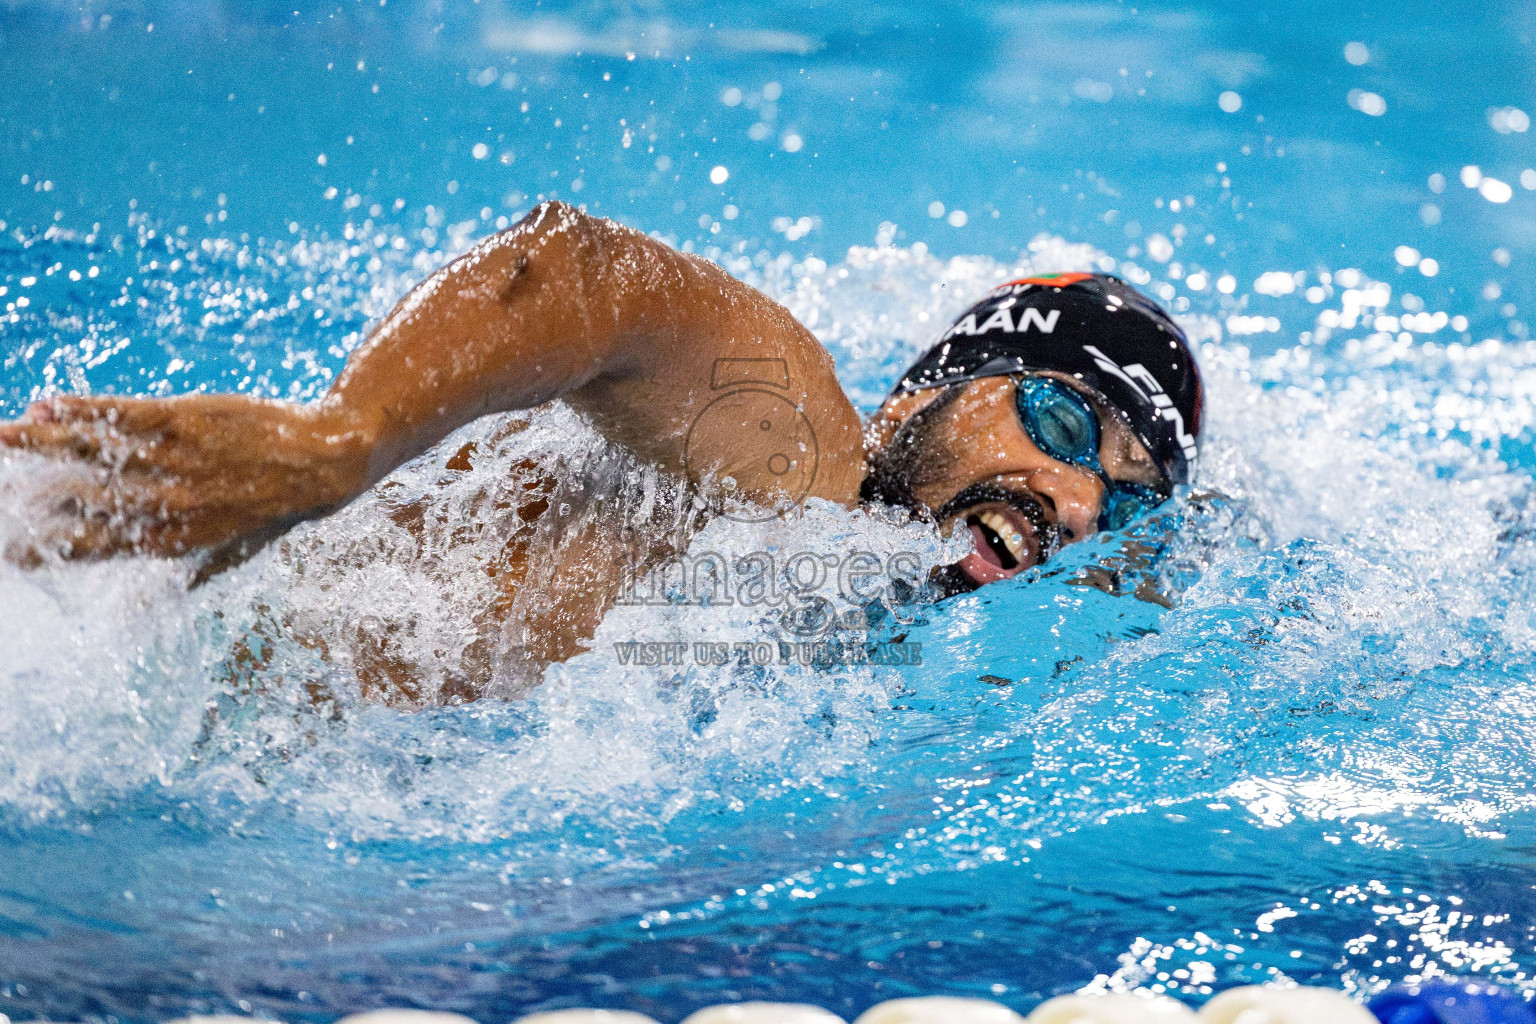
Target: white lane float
x,y
404,1016
939,1010
763,1013
1113,1008
1255,1004
586,1017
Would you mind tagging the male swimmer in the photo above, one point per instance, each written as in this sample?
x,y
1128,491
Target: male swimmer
x,y
1054,407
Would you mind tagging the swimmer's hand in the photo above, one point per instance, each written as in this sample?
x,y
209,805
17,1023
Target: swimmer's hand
x,y
170,476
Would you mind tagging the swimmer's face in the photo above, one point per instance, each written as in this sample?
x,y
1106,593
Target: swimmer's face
x,y
964,457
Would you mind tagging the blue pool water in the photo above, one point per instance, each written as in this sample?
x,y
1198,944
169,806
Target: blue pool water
x,y
1284,729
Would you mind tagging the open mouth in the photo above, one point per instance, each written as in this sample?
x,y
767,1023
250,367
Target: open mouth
x,y
1008,531
1006,543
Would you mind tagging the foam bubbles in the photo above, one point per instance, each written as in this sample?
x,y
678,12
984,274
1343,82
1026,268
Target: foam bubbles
x,y
1505,120
1367,102
1494,190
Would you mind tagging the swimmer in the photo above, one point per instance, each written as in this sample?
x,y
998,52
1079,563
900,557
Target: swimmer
x,y
1054,407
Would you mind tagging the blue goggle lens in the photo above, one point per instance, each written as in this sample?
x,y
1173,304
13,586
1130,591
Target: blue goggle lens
x,y
1064,426
1058,420
1067,428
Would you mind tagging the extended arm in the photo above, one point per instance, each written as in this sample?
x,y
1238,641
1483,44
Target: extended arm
x,y
627,330
623,327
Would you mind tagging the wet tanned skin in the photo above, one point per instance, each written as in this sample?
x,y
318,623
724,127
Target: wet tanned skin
x,y
562,305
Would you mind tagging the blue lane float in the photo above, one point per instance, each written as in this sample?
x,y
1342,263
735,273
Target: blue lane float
x,y
1451,1002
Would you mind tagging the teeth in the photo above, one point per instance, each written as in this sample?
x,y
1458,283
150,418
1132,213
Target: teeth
x,y
999,525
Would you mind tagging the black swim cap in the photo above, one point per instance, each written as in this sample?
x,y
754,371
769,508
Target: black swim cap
x,y
1108,336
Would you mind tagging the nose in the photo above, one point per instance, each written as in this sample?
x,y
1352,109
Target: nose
x,y
1074,496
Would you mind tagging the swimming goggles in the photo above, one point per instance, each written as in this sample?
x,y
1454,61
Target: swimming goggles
x,y
1064,426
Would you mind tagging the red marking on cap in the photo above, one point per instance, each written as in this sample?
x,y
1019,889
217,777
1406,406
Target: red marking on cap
x,y
1054,280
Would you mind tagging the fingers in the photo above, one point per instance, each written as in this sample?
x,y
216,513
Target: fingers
x,y
91,528
73,511
160,476
53,439
126,414
187,434
68,511
92,443
115,432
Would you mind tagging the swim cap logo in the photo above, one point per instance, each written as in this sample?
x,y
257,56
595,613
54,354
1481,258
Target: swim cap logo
x,y
1144,384
765,429
1001,319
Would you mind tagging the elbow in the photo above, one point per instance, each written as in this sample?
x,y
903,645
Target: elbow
x,y
568,263
556,247
554,220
